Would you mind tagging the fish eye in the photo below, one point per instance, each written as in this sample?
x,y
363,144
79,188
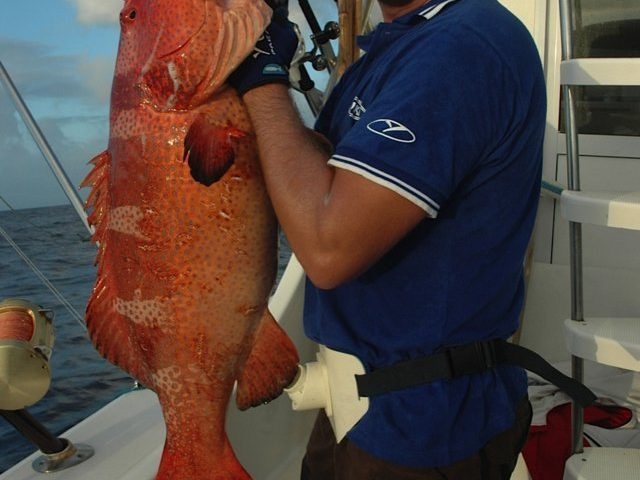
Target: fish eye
x,y
128,15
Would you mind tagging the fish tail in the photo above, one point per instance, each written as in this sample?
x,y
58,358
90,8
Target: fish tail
x,y
200,463
270,367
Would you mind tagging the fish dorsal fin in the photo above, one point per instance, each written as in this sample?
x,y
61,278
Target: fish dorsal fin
x,y
243,23
108,329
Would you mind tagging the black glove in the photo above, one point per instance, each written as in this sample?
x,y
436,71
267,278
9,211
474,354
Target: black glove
x,y
274,4
270,60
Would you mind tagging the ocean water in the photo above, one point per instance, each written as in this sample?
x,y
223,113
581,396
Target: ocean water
x,y
82,381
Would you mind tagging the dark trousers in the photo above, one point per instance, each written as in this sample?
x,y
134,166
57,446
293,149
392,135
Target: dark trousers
x,y
326,460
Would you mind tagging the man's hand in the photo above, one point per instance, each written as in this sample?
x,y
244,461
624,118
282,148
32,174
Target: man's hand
x,y
271,57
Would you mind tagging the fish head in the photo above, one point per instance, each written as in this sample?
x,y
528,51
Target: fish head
x,y
174,54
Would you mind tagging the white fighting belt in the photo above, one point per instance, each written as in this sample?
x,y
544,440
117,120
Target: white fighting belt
x,y
330,383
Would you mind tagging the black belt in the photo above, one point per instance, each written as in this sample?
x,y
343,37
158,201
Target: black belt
x,y
468,359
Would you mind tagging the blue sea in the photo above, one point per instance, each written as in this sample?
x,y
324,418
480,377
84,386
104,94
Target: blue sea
x,y
56,241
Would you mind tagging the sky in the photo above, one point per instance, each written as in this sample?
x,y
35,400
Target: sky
x,y
60,55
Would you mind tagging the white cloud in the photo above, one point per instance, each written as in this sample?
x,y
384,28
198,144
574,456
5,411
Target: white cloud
x,y
98,74
97,12
67,95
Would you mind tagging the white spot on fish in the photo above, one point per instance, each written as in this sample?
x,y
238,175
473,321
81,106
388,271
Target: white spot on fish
x,y
224,215
146,313
167,380
173,73
125,220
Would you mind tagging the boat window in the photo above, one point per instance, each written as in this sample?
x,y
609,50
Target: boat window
x,y
607,29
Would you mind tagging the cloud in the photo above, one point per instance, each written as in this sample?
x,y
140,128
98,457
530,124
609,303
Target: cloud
x,y
38,73
97,12
66,94
98,74
25,178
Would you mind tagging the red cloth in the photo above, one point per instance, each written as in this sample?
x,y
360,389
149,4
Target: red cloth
x,y
549,446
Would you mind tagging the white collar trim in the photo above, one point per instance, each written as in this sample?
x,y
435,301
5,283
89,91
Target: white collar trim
x,y
430,12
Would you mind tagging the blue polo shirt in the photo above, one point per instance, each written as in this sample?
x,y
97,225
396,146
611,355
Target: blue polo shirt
x,y
447,109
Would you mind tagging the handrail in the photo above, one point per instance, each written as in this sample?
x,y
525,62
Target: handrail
x,y
45,148
575,229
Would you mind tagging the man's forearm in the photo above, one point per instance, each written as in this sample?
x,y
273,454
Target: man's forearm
x,y
295,169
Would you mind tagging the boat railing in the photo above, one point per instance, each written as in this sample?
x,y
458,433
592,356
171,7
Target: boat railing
x,y
602,340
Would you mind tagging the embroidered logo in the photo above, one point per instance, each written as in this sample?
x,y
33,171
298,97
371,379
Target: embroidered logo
x,y
356,109
264,46
392,130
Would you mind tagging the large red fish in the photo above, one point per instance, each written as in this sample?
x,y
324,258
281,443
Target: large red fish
x,y
186,232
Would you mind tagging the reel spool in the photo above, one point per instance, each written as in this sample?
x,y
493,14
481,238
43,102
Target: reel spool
x,y
26,342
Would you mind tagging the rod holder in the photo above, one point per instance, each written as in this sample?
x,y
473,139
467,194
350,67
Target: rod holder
x,y
58,453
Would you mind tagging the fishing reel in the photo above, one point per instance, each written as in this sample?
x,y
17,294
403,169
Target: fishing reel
x,y
320,57
26,343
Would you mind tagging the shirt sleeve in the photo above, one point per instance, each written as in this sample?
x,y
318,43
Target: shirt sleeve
x,y
433,119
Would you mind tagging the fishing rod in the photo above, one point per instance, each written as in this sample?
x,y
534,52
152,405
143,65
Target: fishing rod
x,y
352,20
321,38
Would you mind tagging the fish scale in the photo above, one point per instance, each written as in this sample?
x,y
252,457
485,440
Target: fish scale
x,y
185,266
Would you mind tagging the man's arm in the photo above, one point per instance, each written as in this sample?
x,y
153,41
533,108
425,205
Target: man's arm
x,y
337,222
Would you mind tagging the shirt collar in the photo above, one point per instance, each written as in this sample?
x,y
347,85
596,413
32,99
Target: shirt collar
x,y
427,11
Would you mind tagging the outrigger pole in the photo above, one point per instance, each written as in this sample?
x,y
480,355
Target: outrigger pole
x,y
45,148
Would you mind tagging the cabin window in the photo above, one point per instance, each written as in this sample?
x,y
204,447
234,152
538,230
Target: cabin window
x,y
607,29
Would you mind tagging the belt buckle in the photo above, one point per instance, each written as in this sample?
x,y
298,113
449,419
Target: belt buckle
x,y
487,353
470,359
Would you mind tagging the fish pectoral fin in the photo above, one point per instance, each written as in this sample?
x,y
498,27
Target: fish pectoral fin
x,y
270,367
210,149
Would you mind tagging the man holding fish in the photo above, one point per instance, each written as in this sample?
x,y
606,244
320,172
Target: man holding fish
x,y
412,230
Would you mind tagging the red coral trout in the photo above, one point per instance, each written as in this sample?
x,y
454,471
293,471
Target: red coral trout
x,y
186,233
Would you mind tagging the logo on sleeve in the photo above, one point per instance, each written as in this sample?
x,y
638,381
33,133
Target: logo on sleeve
x,y
356,109
392,130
